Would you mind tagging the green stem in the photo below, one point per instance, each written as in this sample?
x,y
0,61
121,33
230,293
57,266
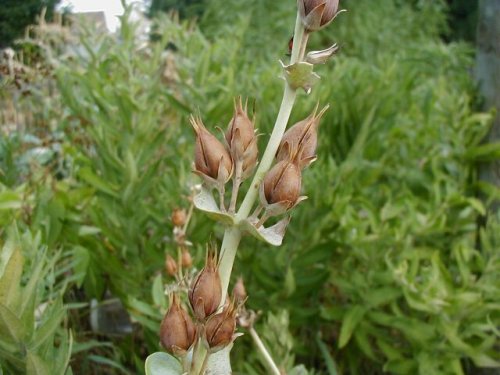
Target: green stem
x,y
238,166
232,235
230,243
267,357
298,36
268,157
279,128
200,355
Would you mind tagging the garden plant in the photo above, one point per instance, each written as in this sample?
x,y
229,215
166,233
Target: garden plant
x,y
204,345
389,267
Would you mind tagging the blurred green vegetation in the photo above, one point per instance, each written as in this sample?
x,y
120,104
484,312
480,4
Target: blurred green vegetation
x,y
383,268
16,15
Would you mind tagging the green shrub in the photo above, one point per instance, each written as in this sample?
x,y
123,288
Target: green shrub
x,y
31,307
383,268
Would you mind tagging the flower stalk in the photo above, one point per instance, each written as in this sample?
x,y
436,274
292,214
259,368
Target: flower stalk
x,y
263,350
232,235
278,187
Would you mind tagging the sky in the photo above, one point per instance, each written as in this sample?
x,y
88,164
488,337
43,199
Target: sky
x,y
112,9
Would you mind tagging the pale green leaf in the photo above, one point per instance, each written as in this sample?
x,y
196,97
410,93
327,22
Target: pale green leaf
x,y
205,202
162,364
36,365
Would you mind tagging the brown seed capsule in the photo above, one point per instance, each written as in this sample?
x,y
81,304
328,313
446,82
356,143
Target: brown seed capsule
x,y
240,137
300,141
212,161
179,217
177,330
186,259
280,189
239,291
205,292
170,266
219,329
316,14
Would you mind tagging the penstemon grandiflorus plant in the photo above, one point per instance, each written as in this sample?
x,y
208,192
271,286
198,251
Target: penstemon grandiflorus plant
x,y
202,345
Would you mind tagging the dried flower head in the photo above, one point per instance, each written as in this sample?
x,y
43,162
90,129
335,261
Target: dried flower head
x,y
241,138
317,14
212,161
239,291
179,217
177,330
170,265
186,259
205,292
219,329
280,189
300,141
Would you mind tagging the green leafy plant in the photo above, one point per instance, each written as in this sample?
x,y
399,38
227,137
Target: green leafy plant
x,y
31,308
382,269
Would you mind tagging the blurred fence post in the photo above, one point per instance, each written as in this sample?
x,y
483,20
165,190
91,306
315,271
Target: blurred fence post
x,y
488,77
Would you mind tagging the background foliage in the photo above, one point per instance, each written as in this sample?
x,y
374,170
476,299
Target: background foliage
x,y
15,16
384,268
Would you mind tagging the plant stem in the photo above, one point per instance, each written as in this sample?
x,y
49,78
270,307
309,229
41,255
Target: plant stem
x,y
279,128
236,185
232,235
298,36
188,218
268,157
267,357
230,243
179,263
303,46
222,190
199,359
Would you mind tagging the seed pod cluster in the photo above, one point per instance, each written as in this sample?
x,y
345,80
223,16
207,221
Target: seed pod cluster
x,y
175,267
280,188
213,325
216,162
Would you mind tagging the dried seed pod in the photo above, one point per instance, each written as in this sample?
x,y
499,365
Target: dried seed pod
x,y
241,138
280,189
186,259
179,217
317,14
170,266
300,141
219,329
212,161
239,291
321,57
177,330
205,292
